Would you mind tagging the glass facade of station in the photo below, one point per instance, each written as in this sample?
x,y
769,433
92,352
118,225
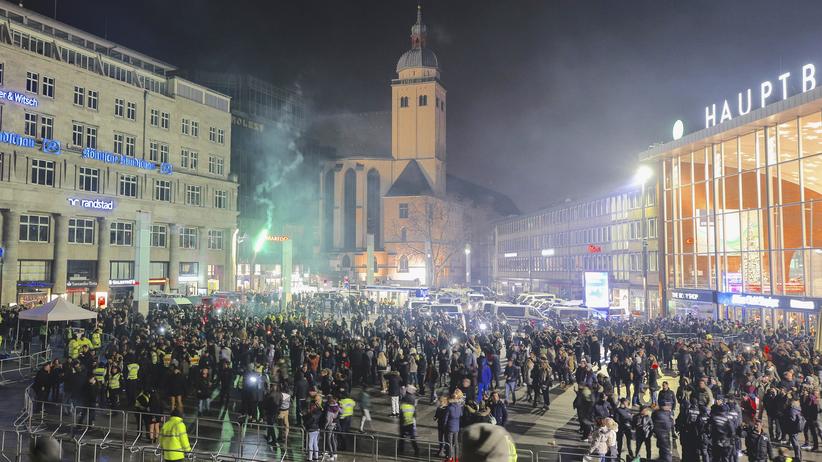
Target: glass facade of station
x,y
743,215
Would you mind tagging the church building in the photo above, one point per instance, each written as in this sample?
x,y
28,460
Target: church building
x,y
423,221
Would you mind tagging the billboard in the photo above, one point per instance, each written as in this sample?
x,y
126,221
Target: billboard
x,y
596,290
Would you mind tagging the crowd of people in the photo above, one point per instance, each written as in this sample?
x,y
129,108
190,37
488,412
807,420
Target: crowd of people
x,y
307,366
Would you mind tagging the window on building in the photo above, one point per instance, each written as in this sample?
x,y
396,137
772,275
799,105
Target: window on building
x,y
652,228
193,195
34,270
185,126
119,107
159,235
93,96
30,126
119,141
212,134
131,145
162,190
403,210
163,152
81,230
131,110
220,199
403,264
48,86
189,159
215,239
79,96
91,137
34,228
46,127
153,151
403,235
164,120
220,136
77,130
189,268
154,118
122,233
42,172
403,101
423,100
215,165
89,179
195,128
2,72
188,237
128,185
32,82
121,270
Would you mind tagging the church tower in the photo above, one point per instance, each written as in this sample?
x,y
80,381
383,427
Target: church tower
x,y
418,111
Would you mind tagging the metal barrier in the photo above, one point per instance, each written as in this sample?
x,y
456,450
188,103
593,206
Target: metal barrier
x,y
255,436
570,455
329,443
21,365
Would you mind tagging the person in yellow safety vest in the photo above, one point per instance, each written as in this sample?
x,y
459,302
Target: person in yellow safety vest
x,y
487,442
174,437
100,376
83,340
408,417
114,379
132,381
347,406
96,339
74,348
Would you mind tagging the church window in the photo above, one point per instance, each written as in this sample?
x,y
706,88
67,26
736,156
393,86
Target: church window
x,y
404,101
403,264
423,100
404,235
403,210
373,204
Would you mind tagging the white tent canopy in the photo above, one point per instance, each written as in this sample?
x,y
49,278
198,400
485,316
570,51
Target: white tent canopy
x,y
57,310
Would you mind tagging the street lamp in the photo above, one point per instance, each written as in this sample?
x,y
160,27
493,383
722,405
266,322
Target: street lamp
x,y
643,174
467,264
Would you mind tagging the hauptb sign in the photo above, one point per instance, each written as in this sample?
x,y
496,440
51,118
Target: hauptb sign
x,y
767,92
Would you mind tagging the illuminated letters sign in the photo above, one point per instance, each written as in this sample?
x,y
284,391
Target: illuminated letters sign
x,y
693,295
95,204
18,98
747,98
769,301
128,161
51,147
122,282
17,140
278,238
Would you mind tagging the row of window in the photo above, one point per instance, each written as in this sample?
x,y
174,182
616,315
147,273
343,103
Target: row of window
x,y
36,228
86,270
422,100
625,262
88,179
600,235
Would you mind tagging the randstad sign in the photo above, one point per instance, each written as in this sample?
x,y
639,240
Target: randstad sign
x,y
128,161
767,92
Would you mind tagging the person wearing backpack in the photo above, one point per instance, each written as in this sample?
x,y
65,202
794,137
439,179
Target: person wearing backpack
x,y
644,428
792,423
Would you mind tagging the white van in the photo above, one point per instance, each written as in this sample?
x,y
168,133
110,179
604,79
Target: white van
x,y
514,313
449,310
568,313
165,301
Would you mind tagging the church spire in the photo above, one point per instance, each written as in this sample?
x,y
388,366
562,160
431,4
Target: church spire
x,y
418,31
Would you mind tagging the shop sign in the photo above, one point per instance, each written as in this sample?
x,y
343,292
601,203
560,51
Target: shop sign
x,y
768,301
122,282
190,278
17,140
19,98
81,283
128,161
243,122
34,284
93,204
717,114
690,295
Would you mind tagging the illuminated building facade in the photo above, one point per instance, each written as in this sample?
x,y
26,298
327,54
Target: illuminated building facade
x,y
550,250
742,208
107,163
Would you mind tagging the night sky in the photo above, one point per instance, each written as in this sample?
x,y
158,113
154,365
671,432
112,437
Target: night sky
x,y
547,99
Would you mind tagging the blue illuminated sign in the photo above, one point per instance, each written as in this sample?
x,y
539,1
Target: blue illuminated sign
x,y
94,204
17,140
18,98
51,147
128,161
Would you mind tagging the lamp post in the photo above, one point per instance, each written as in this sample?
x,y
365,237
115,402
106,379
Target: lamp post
x,y
643,174
467,265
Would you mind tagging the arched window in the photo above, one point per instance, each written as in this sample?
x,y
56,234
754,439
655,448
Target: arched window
x,y
404,235
328,210
403,101
350,210
403,264
423,100
346,261
374,205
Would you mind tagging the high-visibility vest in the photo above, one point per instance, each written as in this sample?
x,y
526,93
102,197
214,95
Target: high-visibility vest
x,y
407,410
74,349
195,360
174,439
347,405
100,374
114,381
133,370
512,449
43,330
96,340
